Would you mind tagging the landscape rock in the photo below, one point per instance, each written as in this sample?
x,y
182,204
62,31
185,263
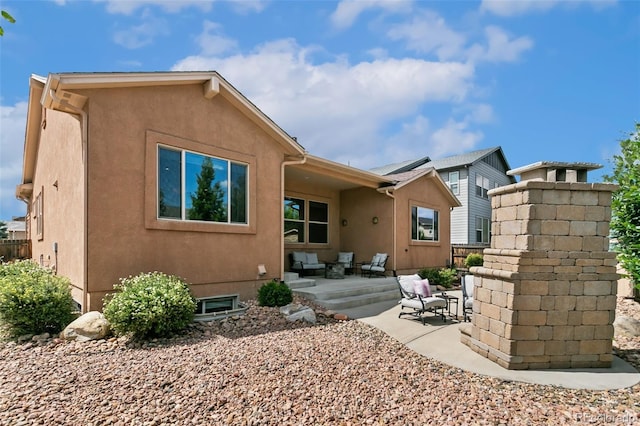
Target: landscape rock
x,y
626,325
90,326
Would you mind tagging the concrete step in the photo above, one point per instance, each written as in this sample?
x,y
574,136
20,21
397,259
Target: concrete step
x,y
326,292
300,283
351,292
359,300
290,276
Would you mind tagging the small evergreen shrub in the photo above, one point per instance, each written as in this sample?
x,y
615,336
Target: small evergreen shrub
x,y
439,276
33,300
150,305
274,293
473,259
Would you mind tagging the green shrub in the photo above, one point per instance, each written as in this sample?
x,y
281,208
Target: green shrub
x,y
150,305
439,276
473,259
33,300
274,293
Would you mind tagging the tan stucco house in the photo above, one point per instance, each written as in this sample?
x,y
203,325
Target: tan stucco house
x,y
178,172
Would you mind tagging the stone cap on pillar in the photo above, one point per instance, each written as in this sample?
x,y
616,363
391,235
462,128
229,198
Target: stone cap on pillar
x,y
554,171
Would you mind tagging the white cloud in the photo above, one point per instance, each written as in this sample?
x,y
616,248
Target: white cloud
x,y
453,137
243,7
428,32
127,7
521,7
212,43
339,110
500,47
12,122
143,34
348,10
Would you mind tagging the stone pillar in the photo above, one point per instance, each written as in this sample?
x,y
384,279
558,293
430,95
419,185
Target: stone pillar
x,y
545,296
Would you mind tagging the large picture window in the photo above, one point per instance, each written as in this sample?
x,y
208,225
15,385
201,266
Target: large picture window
x,y
482,186
197,187
424,224
301,216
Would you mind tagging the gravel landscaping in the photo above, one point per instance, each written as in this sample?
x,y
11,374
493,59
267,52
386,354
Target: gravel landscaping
x,y
260,369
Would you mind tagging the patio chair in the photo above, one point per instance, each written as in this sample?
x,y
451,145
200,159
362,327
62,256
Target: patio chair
x,y
416,296
376,266
467,296
346,259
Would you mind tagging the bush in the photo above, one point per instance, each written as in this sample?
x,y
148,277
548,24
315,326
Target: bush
x,y
33,300
150,305
439,276
473,259
274,293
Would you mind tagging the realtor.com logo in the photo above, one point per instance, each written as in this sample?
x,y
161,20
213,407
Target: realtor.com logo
x,y
600,419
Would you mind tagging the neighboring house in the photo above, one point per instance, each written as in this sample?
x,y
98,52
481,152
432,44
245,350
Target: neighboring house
x,y
16,230
178,172
470,176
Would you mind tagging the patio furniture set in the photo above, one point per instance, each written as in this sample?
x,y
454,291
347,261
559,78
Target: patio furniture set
x,y
307,262
420,298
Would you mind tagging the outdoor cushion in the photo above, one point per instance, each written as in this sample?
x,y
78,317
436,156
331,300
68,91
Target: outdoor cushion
x,y
300,256
422,288
424,302
312,259
345,257
406,282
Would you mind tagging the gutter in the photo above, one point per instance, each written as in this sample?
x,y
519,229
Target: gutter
x,y
394,227
282,167
85,136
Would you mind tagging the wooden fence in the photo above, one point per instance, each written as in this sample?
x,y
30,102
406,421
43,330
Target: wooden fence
x,y
14,249
459,253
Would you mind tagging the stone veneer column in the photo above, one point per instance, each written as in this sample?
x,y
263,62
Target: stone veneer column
x,y
545,296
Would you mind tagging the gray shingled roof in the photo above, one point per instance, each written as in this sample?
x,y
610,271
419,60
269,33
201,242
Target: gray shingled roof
x,y
461,160
403,166
454,161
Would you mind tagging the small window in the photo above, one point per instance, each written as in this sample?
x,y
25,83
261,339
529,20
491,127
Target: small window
x,y
483,230
294,220
314,220
482,186
424,224
39,215
454,178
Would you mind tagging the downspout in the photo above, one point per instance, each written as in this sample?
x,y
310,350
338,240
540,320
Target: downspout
x,y
395,239
85,136
282,167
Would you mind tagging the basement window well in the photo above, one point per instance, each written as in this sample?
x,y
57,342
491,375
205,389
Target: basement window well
x,y
217,307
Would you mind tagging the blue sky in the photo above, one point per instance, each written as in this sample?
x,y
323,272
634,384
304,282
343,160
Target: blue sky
x,y
365,83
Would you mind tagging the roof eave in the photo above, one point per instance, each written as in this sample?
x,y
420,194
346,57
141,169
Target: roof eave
x,y
209,79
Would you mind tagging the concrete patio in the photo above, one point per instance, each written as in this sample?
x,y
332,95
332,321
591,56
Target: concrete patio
x,y
440,340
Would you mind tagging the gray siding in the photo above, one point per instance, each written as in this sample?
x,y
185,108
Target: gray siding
x,y
460,215
479,206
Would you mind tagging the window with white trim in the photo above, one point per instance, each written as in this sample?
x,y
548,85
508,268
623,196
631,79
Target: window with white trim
x,y
39,216
306,221
482,186
197,187
454,179
483,226
425,225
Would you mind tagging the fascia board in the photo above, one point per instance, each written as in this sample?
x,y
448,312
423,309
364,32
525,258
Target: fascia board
x,y
71,81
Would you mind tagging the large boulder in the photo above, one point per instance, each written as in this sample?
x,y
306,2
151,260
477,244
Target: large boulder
x,y
295,312
626,326
90,326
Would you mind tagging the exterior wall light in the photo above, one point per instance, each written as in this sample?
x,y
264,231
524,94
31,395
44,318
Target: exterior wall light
x,y
374,220
344,222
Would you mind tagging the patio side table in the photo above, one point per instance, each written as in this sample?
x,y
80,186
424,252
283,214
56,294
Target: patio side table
x,y
450,300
